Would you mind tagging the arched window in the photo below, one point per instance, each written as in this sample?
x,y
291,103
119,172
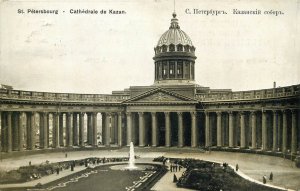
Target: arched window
x,y
164,48
172,48
193,49
186,48
179,47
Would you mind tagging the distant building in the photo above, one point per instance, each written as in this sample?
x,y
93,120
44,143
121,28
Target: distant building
x,y
6,87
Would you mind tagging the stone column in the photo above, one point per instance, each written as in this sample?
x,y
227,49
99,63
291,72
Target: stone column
x,y
168,129
219,129
231,130
264,131
15,131
81,129
107,129
141,129
116,129
94,141
253,127
194,130
75,129
32,131
154,130
279,130
45,130
207,130
243,130
69,131
129,128
89,128
120,138
9,131
294,143
55,130
2,147
28,130
112,128
275,146
103,127
21,131
284,131
61,129
180,130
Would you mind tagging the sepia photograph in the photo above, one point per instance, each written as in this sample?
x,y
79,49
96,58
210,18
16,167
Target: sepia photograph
x,y
158,95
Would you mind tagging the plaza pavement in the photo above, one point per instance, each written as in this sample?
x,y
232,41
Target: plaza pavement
x,y
255,166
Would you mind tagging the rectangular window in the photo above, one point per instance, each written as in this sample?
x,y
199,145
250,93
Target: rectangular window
x,y
165,67
179,69
172,70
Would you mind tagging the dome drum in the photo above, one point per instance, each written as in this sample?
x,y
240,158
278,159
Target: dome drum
x,y
174,48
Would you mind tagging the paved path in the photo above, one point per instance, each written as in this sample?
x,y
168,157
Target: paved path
x,y
254,166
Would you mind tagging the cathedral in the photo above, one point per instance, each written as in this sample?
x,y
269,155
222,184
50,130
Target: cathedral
x,y
172,112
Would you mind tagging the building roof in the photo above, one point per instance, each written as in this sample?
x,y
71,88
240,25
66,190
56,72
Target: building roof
x,y
174,35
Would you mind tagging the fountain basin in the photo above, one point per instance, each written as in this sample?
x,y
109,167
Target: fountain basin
x,y
136,167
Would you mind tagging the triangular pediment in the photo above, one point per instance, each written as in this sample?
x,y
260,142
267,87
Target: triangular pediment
x,y
160,95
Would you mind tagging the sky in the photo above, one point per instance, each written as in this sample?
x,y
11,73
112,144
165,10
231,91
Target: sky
x,y
100,53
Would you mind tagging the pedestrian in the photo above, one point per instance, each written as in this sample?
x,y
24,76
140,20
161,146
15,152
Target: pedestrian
x,y
72,167
66,155
179,168
176,167
57,171
174,178
271,176
29,163
236,167
264,179
171,167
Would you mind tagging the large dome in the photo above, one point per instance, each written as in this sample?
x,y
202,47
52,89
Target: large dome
x,y
174,35
174,58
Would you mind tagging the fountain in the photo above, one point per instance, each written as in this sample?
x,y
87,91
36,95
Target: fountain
x,y
131,165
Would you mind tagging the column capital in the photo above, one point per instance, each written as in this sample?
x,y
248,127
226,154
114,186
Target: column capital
x,y
108,114
141,113
44,112
120,113
253,112
82,114
283,111
153,114
167,114
193,114
293,111
230,112
274,112
95,113
242,112
219,113
69,114
128,113
206,112
179,113
263,111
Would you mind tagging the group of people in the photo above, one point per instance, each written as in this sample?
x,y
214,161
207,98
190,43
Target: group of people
x,y
175,167
265,178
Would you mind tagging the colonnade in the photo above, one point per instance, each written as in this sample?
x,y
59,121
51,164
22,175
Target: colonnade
x,y
31,130
276,130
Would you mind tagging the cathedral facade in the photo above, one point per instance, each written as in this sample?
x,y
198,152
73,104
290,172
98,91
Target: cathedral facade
x,y
173,112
